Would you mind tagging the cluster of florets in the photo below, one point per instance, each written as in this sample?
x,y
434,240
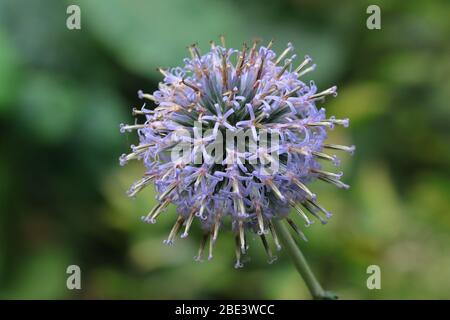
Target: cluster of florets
x,y
187,144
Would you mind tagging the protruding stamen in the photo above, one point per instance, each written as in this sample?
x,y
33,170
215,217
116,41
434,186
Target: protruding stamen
x,y
275,189
325,156
334,181
286,65
224,72
341,122
307,70
301,213
238,202
241,60
195,52
328,174
304,188
242,236
284,53
312,210
222,40
128,127
328,124
274,236
168,190
259,73
147,96
201,249
271,257
175,230
253,51
303,64
199,214
139,185
188,223
137,112
259,216
292,92
155,212
190,85
162,71
124,158
296,229
330,91
311,205
349,149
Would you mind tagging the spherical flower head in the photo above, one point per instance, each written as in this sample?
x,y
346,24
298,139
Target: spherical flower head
x,y
236,134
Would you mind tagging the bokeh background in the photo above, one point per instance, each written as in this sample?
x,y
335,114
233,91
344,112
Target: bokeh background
x,y
63,94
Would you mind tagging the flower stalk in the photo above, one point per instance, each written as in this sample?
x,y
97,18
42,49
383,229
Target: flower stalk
x,y
291,247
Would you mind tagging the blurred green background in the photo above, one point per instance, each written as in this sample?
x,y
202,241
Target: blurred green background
x,y
63,94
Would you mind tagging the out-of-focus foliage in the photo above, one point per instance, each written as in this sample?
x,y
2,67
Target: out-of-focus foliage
x,y
63,94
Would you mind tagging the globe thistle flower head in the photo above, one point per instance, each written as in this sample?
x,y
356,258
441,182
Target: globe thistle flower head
x,y
236,135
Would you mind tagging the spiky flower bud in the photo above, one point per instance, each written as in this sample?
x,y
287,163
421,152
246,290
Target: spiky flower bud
x,y
235,134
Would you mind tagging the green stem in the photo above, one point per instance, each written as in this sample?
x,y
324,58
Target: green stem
x,y
300,263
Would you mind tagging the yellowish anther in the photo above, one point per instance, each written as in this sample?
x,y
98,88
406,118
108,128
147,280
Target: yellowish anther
x,y
162,71
224,71
253,51
241,60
